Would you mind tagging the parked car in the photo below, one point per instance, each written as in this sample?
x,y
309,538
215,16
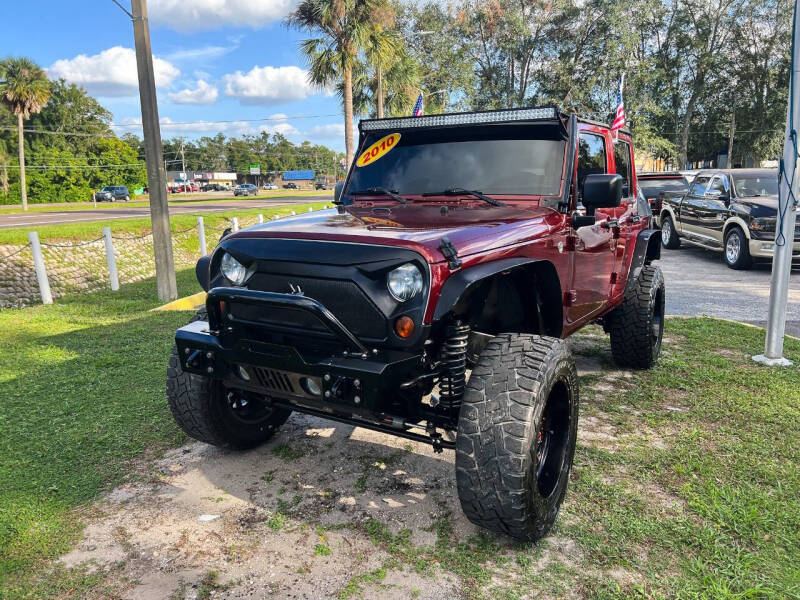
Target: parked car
x,y
245,189
732,211
212,187
320,186
418,282
270,186
656,185
291,186
112,193
185,188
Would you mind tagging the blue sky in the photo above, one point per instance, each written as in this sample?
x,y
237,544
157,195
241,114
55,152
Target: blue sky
x,y
216,60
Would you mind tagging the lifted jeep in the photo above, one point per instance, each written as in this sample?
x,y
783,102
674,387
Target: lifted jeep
x,y
432,303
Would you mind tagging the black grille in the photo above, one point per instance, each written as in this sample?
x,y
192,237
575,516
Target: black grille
x,y
274,381
343,298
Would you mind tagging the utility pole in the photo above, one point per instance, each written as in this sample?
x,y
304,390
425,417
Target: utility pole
x,y
183,169
156,177
782,261
730,139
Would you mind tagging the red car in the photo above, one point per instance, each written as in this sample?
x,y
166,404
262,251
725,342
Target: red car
x,y
433,302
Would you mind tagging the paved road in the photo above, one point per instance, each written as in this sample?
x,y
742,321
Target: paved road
x,y
175,208
699,283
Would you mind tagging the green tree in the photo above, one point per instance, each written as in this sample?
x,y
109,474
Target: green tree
x,y
345,26
25,89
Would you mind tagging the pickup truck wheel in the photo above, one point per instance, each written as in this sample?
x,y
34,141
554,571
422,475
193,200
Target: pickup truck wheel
x,y
637,326
516,435
669,239
209,412
737,250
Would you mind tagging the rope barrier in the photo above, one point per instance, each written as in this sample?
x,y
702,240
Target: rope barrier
x,y
75,245
7,256
135,237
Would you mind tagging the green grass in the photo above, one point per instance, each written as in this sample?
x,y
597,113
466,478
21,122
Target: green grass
x,y
174,199
140,226
696,495
82,388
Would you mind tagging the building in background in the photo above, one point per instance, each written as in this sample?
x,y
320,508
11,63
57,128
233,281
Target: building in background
x,y
303,178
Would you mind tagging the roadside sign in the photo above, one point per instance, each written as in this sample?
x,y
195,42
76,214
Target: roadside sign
x,y
255,169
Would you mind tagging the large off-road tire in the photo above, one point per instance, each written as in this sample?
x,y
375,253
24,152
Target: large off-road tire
x,y
203,409
637,325
516,435
737,249
669,237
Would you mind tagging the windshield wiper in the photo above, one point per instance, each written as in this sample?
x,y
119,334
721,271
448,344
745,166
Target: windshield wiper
x,y
462,191
380,191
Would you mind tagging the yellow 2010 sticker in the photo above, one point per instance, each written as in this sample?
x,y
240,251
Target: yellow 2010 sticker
x,y
378,149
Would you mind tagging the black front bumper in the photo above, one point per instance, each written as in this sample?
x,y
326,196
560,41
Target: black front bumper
x,y
355,380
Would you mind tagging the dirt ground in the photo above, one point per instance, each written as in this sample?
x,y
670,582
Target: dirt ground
x,y
295,518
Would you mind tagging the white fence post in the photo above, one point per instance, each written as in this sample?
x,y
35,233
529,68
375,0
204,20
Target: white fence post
x,y
235,224
113,275
201,234
260,218
38,264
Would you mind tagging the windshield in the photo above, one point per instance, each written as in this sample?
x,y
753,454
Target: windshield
x,y
495,160
756,185
653,187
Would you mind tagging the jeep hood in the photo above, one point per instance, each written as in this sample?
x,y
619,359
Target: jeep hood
x,y
420,226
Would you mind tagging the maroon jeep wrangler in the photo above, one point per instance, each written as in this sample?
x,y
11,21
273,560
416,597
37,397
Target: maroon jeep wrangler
x,y
433,302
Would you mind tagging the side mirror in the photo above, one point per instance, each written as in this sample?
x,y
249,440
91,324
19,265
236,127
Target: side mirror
x,y
715,196
337,192
602,191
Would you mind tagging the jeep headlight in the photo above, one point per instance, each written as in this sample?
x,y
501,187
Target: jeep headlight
x,y
404,282
766,224
235,271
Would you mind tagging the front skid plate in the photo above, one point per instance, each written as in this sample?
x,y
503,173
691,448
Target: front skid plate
x,y
363,384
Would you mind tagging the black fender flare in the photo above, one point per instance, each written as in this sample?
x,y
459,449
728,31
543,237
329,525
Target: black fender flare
x,y
202,271
461,281
646,250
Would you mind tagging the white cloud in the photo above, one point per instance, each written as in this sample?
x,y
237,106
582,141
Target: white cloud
x,y
276,124
202,94
200,53
268,85
327,131
195,15
112,72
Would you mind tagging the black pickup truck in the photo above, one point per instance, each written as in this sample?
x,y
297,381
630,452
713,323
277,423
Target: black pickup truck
x,y
734,211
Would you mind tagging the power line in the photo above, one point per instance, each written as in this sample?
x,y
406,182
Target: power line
x,y
167,125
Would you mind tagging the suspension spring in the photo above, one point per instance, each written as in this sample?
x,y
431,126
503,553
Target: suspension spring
x,y
453,365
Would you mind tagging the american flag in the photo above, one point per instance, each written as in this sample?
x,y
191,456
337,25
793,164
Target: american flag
x,y
418,107
619,119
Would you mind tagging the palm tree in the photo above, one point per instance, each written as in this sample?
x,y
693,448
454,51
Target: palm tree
x,y
382,45
25,89
344,26
386,92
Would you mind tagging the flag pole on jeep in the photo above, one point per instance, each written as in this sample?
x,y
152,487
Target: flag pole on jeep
x,y
789,181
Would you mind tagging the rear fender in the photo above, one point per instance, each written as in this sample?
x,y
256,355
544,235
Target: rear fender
x,y
529,277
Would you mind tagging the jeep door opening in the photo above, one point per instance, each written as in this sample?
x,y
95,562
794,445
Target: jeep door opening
x,y
433,302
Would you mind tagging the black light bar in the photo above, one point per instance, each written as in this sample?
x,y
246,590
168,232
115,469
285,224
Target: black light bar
x,y
467,118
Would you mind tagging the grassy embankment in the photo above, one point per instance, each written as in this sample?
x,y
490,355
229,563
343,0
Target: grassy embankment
x,y
139,226
141,201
